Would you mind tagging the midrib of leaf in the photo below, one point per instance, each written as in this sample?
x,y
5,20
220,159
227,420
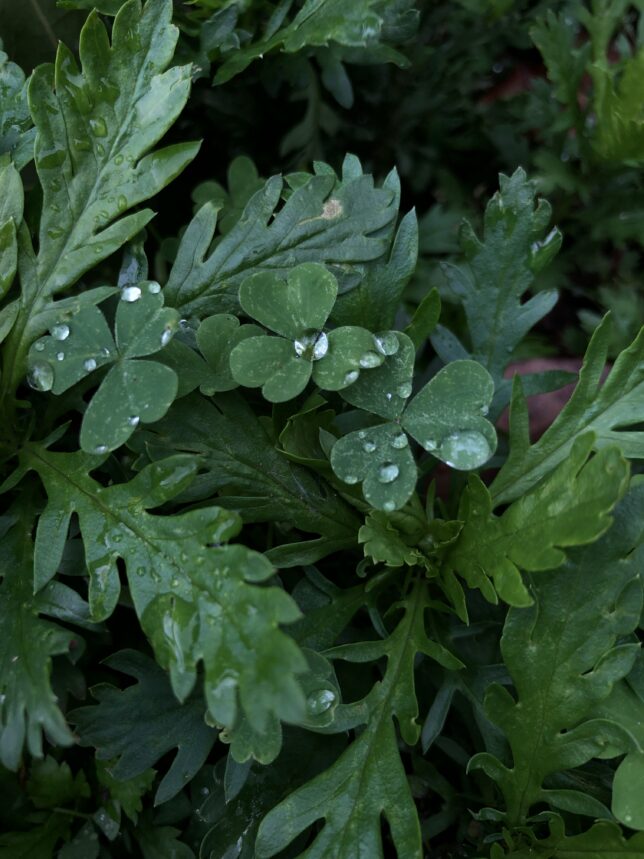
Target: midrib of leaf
x,y
17,344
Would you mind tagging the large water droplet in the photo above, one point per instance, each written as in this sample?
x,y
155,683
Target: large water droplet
x,y
370,359
41,377
369,446
388,472
130,293
351,377
166,337
321,347
60,331
89,364
350,479
386,343
320,701
389,506
39,345
154,287
404,390
100,448
133,420
465,449
399,441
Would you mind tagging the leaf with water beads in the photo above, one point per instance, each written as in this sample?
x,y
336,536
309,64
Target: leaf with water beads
x,y
272,364
447,417
379,457
385,390
350,351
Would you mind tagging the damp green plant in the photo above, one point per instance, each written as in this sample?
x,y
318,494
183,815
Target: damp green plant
x,y
275,576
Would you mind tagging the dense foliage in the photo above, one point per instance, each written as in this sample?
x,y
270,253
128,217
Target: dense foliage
x,y
280,576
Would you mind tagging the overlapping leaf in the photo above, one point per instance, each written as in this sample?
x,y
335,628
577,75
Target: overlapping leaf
x,y
368,780
343,223
16,128
136,726
96,131
564,654
197,600
606,409
501,268
570,507
11,206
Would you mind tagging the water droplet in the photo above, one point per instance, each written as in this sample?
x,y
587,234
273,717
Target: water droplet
x,y
320,701
60,332
133,420
183,323
430,444
321,347
166,337
39,346
350,479
399,441
351,377
484,410
154,287
404,390
100,448
204,791
388,395
362,434
388,472
130,293
388,506
370,359
41,377
369,446
98,127
387,343
465,449
89,364
174,583
60,356
105,352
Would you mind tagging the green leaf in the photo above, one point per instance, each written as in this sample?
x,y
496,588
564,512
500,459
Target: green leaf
x,y
238,460
501,268
385,389
605,409
602,841
368,780
340,223
217,336
38,842
425,319
447,416
378,457
349,351
97,128
11,206
272,364
293,307
160,842
383,543
28,705
51,784
570,507
16,131
128,795
135,727
564,654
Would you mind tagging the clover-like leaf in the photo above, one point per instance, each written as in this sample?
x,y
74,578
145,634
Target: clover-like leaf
x,y
379,457
217,336
385,390
293,306
447,416
350,350
133,391
272,364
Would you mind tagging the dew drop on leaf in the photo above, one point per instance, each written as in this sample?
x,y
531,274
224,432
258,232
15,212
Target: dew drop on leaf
x,y
133,420
464,450
60,356
350,479
89,364
351,377
399,441
369,446
430,444
39,346
166,337
100,448
370,359
388,472
404,390
60,331
320,701
154,287
130,293
387,343
98,127
321,347
41,377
